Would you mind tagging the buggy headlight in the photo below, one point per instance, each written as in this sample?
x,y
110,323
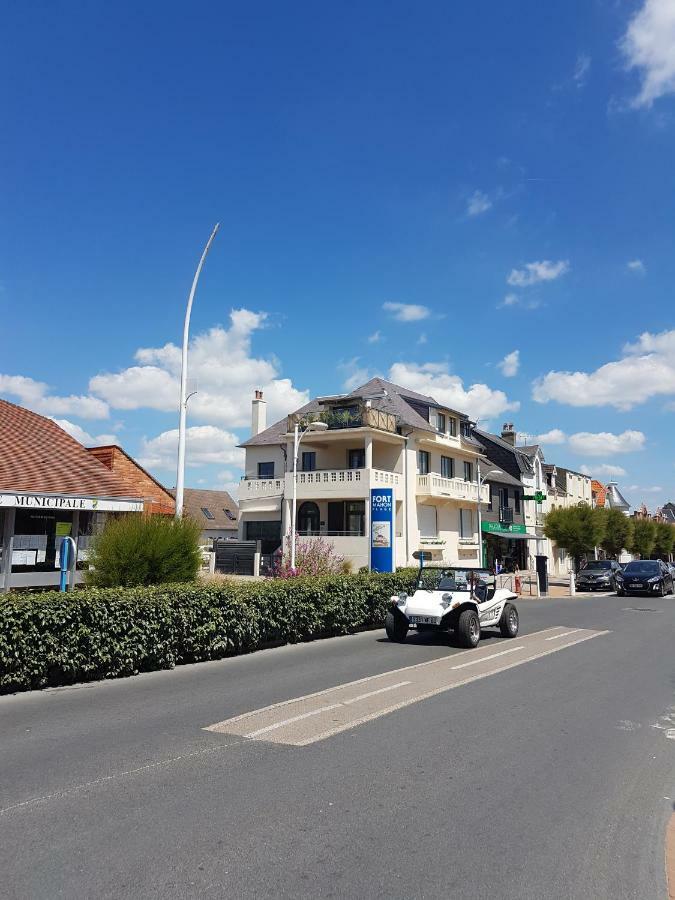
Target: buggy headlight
x,y
402,599
446,600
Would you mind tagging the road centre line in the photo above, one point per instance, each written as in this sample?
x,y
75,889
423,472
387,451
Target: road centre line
x,y
475,662
339,687
275,725
383,690
564,634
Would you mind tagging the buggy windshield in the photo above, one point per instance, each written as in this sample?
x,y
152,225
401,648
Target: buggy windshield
x,y
454,579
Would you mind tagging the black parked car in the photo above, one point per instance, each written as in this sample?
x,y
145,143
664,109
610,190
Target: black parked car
x,y
600,574
646,576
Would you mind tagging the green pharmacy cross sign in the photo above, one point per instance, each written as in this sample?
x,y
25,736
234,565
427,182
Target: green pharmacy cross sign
x,y
539,497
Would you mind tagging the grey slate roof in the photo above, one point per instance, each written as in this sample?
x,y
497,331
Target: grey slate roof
x,y
395,403
497,449
216,502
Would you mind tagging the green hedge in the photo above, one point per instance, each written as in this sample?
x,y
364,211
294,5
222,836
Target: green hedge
x,y
52,638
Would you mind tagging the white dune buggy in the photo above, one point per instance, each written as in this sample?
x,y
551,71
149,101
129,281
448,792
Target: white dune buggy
x,y
460,600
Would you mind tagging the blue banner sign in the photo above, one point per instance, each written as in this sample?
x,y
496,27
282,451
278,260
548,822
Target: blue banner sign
x,y
382,529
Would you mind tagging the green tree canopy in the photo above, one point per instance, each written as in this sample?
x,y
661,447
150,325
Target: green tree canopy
x,y
664,539
644,538
618,532
577,529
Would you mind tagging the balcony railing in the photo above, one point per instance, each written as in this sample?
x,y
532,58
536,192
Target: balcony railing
x,y
323,532
433,485
506,515
254,488
352,417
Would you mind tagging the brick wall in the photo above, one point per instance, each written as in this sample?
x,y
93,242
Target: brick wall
x,y
157,499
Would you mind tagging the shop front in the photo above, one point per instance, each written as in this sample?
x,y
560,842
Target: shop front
x,y
506,544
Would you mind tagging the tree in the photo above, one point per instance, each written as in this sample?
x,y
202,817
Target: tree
x,y
618,532
142,550
644,538
577,529
664,539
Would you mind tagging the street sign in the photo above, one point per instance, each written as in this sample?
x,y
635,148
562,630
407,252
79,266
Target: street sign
x,y
382,530
539,497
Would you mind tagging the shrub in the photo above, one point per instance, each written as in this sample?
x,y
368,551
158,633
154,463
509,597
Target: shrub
x,y
312,557
51,638
143,550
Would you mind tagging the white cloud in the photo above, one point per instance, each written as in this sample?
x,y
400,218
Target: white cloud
x,y
581,69
354,373
510,364
375,337
204,444
633,488
647,370
554,436
637,266
35,395
221,370
513,300
422,339
649,46
604,469
478,400
604,443
536,272
478,203
407,312
83,436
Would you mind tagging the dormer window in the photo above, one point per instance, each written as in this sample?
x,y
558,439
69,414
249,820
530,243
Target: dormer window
x,y
452,426
440,422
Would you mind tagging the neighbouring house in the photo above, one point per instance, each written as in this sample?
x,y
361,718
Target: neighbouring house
x,y
215,511
598,494
668,513
378,436
157,500
50,487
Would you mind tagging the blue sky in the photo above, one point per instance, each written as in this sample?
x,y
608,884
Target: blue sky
x,y
412,190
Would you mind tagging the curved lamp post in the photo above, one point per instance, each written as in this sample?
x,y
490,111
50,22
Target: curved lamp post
x,y
180,474
297,437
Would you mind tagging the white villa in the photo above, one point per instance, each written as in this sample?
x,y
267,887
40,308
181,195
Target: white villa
x,y
378,436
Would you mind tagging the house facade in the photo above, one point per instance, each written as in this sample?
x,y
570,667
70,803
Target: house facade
x,y
379,436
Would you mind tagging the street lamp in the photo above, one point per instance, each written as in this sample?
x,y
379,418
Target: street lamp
x,y
180,474
297,437
481,482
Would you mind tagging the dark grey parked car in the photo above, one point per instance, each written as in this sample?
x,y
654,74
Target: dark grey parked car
x,y
599,575
646,576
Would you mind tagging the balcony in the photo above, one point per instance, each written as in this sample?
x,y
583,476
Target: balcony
x,y
506,515
324,483
450,488
255,488
348,417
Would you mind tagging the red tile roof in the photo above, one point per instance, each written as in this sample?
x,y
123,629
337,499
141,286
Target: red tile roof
x,y
38,457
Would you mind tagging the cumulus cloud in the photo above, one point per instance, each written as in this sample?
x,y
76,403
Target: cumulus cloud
x,y
375,337
407,312
355,374
478,400
554,436
604,470
35,395
478,203
646,370
649,47
222,371
536,272
204,444
637,266
83,436
510,364
605,443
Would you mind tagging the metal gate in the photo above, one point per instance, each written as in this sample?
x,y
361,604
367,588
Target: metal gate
x,y
235,557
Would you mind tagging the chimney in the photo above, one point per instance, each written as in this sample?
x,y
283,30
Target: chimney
x,y
509,434
258,414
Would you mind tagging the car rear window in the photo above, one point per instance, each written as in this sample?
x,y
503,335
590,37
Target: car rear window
x,y
600,564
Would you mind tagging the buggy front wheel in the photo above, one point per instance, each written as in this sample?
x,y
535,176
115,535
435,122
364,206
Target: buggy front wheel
x,y
396,627
508,624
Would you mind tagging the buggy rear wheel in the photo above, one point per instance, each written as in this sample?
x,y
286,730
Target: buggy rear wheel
x,y
508,624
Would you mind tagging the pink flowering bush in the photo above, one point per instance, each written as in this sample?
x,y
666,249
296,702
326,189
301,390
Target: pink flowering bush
x,y
312,557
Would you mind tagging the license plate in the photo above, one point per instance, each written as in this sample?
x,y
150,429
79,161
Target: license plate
x,y
423,620
636,584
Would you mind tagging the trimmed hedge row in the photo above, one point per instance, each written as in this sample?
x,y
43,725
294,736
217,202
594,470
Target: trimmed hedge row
x,y
51,638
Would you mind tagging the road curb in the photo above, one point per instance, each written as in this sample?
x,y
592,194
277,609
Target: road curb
x,y
670,857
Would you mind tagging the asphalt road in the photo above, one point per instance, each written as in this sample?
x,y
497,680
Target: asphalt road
x,y
554,778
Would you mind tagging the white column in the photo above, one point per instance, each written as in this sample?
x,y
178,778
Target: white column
x,y
369,451
7,542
